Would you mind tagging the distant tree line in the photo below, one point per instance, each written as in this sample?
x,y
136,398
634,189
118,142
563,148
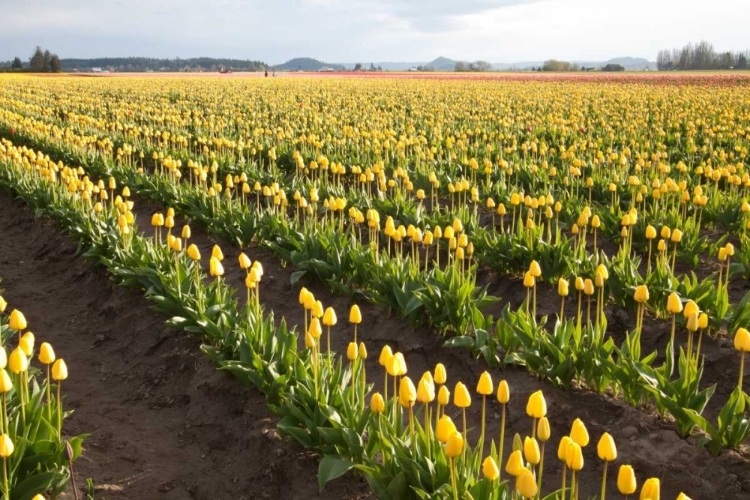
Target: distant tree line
x,y
139,64
41,61
700,56
473,66
561,66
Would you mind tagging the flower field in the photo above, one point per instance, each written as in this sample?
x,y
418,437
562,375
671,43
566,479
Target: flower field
x,y
448,288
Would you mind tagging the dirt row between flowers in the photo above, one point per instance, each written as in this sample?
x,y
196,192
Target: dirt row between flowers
x,y
164,422
643,439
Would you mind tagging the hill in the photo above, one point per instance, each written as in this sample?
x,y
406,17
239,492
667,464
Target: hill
x,y
306,64
629,63
138,64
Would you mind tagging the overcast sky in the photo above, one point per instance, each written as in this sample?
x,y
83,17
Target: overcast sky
x,y
370,30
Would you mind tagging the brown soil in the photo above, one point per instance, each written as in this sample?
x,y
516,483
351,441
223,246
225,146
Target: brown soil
x,y
164,422
173,424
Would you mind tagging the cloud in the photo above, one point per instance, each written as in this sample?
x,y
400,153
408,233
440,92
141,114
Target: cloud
x,y
369,30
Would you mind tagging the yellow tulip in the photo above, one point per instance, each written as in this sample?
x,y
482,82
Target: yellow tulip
x,y
543,431
742,340
626,482
5,383
27,343
531,450
526,484
503,392
641,294
444,396
514,466
484,386
217,253
377,404
490,469
6,446
445,428
351,351
674,305
59,370
652,487
193,252
441,376
461,396
18,362
536,407
562,287
578,433
17,321
215,267
455,445
606,448
407,393
574,457
244,261
386,354
329,319
355,316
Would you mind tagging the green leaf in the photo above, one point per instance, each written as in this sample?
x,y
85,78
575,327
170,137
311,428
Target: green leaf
x,y
330,468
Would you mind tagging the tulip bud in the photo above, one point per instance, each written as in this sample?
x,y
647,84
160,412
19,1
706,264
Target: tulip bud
x,y
490,470
574,457
444,396
27,344
440,374
485,387
578,433
377,405
665,232
193,252
46,354
514,466
742,340
676,238
186,233
425,391
562,287
445,427
528,280
683,496
362,350
536,407
215,267
217,253
17,320
5,383
702,320
3,357
6,446
157,220
543,431
407,393
531,450
626,482
351,351
661,246
650,232
3,304
455,445
606,448
503,392
386,355
355,316
526,484
641,294
562,448
652,487
244,261
674,305
18,361
400,363
579,284
59,370
692,322
461,396
329,319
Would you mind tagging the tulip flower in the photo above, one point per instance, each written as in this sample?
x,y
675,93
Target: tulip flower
x,y
329,320
641,297
490,469
626,482
386,356
453,448
562,453
47,357
441,375
217,253
17,321
484,388
377,404
514,466
6,385
652,487
562,291
536,408
3,304
462,399
683,496
355,317
525,484
59,373
578,433
574,461
27,343
445,427
6,450
742,344
244,261
607,452
531,450
503,396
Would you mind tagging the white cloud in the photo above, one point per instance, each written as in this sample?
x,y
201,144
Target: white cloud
x,y
370,30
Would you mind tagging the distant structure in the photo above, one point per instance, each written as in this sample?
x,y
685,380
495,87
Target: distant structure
x,y
326,69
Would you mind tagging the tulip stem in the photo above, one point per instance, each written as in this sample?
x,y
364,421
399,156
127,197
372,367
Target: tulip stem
x,y
742,370
502,443
49,395
541,471
481,434
604,481
564,478
463,449
453,479
59,410
6,422
427,426
6,489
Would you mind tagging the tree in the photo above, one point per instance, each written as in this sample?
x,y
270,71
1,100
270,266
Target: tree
x,y
54,64
17,64
613,67
47,60
358,67
480,66
742,62
37,60
461,66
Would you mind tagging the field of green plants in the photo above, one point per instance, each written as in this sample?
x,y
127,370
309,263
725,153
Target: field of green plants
x,y
586,239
